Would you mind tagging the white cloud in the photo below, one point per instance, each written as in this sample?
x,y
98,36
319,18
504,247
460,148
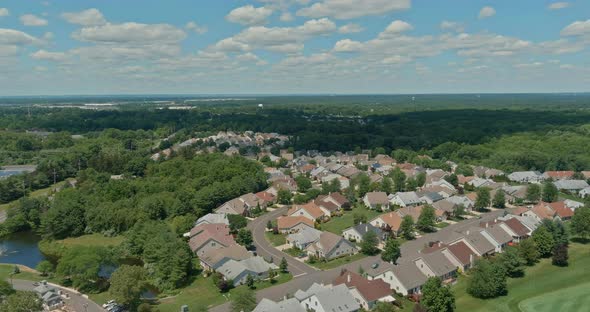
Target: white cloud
x,y
558,5
192,26
454,26
8,50
286,17
49,56
347,45
348,9
396,60
16,37
90,17
32,20
251,58
566,66
350,28
577,28
4,12
130,33
486,12
395,28
528,65
249,15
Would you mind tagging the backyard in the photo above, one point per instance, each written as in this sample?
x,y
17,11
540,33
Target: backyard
x,y
337,224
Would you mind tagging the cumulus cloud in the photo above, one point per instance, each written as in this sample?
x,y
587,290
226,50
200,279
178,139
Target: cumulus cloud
x,y
130,33
286,17
528,65
347,45
192,26
49,56
395,28
249,15
4,12
16,37
90,17
486,12
350,28
454,26
349,9
33,20
558,5
577,28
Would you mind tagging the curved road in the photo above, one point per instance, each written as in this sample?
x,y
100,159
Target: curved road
x,y
265,249
409,252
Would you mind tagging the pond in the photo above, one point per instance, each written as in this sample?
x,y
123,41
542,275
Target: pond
x,y
21,248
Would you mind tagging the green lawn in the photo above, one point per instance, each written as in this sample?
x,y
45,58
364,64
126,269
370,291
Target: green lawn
x,y
542,286
442,225
92,240
203,293
276,239
6,269
337,262
337,224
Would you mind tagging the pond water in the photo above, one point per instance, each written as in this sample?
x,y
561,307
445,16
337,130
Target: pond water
x,y
21,248
7,173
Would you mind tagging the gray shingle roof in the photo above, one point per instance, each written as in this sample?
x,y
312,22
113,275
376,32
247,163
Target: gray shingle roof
x,y
409,275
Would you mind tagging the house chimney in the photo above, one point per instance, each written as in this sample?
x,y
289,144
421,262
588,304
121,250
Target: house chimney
x,y
467,232
470,259
439,244
348,278
366,228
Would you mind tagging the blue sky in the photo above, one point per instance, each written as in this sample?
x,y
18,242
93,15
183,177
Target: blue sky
x,y
293,46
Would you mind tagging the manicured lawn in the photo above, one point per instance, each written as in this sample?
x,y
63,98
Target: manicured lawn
x,y
442,225
563,196
93,240
542,286
276,239
337,224
6,269
337,262
203,293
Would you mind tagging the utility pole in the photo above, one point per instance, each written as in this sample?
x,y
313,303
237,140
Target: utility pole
x,y
54,177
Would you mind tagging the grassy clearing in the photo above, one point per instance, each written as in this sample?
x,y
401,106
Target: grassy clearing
x,y
337,262
276,239
203,293
7,269
92,240
337,224
38,193
541,286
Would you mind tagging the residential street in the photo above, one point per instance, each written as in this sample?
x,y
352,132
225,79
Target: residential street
x,y
409,252
265,249
76,301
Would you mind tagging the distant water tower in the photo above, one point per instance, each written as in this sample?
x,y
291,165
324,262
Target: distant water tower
x,y
260,105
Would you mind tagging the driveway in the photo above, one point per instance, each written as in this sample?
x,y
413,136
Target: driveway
x,y
409,251
77,301
265,249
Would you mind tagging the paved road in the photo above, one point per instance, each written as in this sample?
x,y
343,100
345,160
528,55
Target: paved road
x,y
76,301
265,249
409,251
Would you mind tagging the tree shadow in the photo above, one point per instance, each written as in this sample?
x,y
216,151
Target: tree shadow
x,y
581,240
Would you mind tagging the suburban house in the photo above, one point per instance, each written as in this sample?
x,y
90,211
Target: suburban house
x,y
464,255
309,210
290,224
584,192
321,298
286,305
241,205
331,246
209,236
478,242
405,278
213,218
366,292
497,236
462,200
404,199
436,264
376,199
303,237
389,222
357,232
558,175
214,258
335,198
550,211
238,271
572,186
429,197
50,296
526,177
266,198
516,229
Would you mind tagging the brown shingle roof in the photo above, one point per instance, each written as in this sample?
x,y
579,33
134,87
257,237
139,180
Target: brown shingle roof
x,y
392,219
206,232
291,221
370,290
517,227
310,207
462,252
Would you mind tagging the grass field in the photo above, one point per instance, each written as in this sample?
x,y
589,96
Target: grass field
x,y
337,224
6,269
93,240
276,239
543,288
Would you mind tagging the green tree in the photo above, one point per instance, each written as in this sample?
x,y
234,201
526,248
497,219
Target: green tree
x,y
303,183
427,219
528,251
499,200
550,192
127,284
487,280
250,281
5,289
560,255
244,238
407,227
436,297
364,184
533,193
269,225
243,300
236,222
22,301
384,307
272,275
581,222
483,200
399,179
391,252
370,243
284,197
453,179
44,267
386,185
284,265
512,261
358,218
459,211
544,241
82,265
560,234
420,179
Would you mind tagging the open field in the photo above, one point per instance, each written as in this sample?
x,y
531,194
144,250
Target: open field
x,y
276,239
543,288
337,224
92,240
